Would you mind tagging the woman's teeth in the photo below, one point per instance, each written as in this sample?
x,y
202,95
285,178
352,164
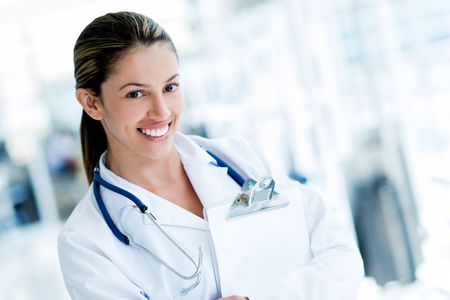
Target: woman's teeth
x,y
155,132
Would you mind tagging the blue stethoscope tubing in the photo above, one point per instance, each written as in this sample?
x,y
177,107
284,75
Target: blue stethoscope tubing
x,y
99,181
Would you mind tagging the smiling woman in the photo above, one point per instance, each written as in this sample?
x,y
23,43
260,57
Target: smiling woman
x,y
140,66
139,107
142,230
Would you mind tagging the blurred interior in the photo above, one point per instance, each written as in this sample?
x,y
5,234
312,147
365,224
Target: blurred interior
x,y
350,97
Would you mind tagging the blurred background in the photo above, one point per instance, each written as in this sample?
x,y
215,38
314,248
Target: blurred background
x,y
352,96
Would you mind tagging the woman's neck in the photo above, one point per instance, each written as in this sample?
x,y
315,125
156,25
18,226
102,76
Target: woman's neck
x,y
149,174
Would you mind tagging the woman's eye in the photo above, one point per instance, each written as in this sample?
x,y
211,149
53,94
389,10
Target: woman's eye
x,y
135,94
170,88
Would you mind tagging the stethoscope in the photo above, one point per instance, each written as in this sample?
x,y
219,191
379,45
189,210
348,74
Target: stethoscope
x,y
99,181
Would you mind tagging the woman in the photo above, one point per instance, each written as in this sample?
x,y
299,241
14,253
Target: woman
x,y
128,83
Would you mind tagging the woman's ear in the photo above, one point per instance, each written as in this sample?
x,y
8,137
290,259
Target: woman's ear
x,y
90,103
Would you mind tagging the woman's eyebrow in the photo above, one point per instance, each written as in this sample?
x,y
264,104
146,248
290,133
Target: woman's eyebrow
x,y
132,83
144,85
172,77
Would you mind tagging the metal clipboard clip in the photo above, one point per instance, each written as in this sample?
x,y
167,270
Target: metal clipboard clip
x,y
256,196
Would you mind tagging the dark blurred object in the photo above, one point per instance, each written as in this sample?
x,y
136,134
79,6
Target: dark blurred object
x,y
298,177
24,201
3,152
382,233
383,207
60,153
20,194
17,200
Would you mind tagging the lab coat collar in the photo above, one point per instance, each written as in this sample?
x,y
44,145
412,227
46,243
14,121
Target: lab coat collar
x,y
166,212
190,152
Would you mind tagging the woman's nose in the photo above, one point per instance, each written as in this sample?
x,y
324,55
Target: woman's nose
x,y
158,107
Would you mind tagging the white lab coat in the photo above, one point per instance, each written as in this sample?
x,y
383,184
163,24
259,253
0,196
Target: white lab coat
x,y
96,265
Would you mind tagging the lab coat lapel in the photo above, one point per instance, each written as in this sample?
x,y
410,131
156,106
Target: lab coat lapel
x,y
211,183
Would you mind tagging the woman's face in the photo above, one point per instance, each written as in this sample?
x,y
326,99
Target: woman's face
x,y
141,103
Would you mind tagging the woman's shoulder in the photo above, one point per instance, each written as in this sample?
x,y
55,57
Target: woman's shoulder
x,y
235,150
242,155
222,144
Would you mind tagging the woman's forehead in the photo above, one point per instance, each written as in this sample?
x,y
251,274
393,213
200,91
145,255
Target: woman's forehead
x,y
153,64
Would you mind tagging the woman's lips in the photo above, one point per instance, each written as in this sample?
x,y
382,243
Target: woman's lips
x,y
156,133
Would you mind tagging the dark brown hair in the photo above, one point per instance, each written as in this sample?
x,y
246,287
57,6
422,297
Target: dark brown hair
x,y
97,50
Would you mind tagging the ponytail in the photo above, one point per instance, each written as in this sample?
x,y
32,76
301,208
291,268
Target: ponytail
x,y
93,143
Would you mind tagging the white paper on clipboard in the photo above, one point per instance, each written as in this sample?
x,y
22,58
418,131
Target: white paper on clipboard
x,y
255,250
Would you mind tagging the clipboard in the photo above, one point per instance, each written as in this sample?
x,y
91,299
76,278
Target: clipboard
x,y
254,250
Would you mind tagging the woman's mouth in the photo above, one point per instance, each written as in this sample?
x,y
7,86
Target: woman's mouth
x,y
156,133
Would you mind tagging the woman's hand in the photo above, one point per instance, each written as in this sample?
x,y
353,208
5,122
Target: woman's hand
x,y
234,297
